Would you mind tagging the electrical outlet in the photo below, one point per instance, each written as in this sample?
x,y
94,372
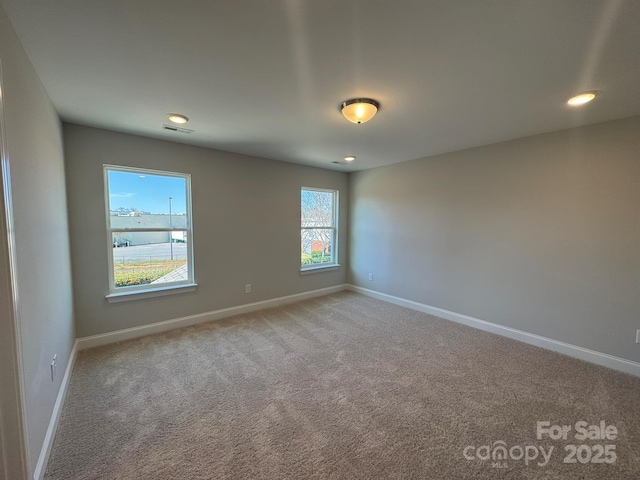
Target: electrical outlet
x,y
637,336
371,277
53,366
247,288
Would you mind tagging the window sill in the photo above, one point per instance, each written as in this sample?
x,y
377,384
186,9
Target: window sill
x,y
318,269
118,297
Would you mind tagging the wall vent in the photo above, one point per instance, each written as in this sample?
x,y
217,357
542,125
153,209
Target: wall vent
x,y
176,129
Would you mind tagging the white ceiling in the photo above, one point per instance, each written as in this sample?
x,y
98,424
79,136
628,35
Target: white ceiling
x,y
266,77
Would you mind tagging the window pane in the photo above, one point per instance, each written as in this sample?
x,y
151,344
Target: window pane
x,y
140,259
142,200
316,246
317,208
148,215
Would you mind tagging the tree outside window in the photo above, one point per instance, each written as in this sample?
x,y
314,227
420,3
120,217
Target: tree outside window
x,y
318,227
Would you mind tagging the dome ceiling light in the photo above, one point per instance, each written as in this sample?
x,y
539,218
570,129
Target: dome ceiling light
x,y
349,158
359,110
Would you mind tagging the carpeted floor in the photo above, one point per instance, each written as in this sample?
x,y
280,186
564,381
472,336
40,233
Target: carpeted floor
x,y
342,386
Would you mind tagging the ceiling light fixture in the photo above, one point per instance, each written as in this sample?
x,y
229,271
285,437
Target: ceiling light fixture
x,y
581,99
349,158
177,118
359,110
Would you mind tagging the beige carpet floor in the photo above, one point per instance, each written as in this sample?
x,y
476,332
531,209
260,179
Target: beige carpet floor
x,y
339,387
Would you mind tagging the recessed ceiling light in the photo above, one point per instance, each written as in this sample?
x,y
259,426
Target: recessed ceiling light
x,y
349,158
177,118
581,99
359,110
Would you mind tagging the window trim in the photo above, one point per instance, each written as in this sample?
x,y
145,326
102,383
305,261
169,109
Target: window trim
x,y
334,264
134,292
119,297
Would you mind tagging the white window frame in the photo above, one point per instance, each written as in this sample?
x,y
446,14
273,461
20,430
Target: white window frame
x,y
334,218
119,294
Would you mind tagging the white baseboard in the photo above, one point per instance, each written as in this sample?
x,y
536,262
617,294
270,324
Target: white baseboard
x,y
143,330
581,353
43,459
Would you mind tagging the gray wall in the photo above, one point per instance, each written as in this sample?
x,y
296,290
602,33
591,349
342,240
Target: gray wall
x,y
34,149
246,227
541,234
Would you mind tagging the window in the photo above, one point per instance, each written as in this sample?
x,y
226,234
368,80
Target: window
x,y
148,228
319,233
